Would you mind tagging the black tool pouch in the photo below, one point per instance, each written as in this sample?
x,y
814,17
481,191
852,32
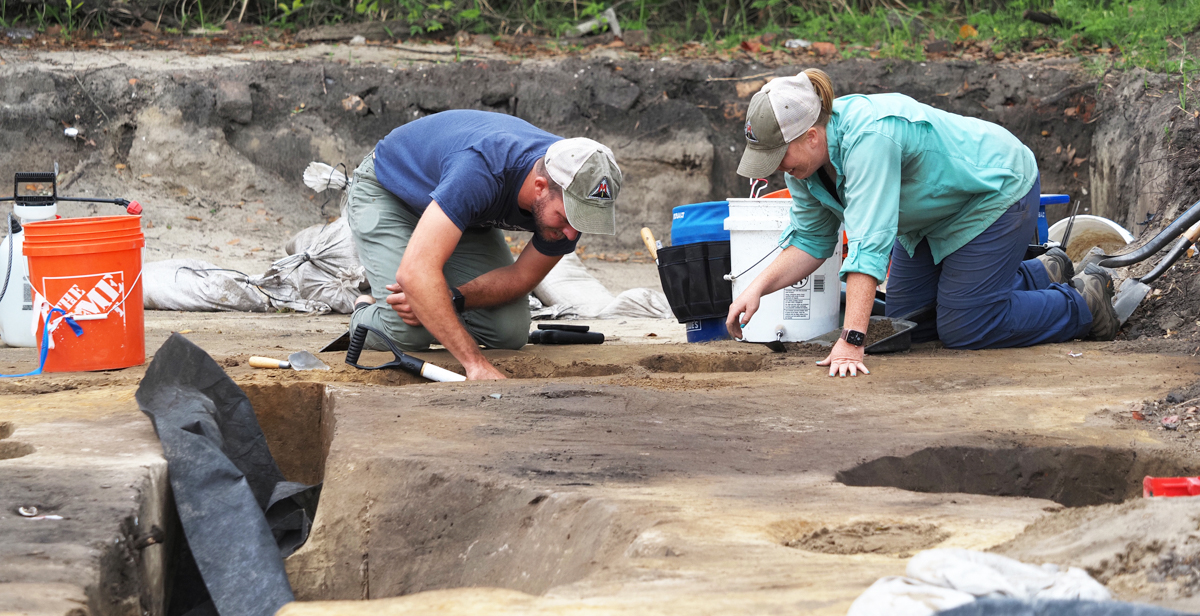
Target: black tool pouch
x,y
693,279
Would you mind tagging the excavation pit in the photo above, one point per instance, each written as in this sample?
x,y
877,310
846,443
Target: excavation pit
x,y
1069,476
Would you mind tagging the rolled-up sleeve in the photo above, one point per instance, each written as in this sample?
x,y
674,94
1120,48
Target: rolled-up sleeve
x,y
811,227
872,190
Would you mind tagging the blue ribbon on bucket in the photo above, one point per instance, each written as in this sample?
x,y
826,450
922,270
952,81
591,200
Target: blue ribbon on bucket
x,y
46,341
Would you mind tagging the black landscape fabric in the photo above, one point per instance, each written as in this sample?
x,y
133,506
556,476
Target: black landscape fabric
x,y
239,516
1074,607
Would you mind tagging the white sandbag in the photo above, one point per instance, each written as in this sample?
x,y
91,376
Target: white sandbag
x,y
938,578
640,303
570,284
324,266
198,286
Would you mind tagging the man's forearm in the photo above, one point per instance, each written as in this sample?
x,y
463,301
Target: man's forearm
x,y
496,288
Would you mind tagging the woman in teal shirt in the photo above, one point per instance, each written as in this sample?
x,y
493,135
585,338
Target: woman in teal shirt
x,y
949,201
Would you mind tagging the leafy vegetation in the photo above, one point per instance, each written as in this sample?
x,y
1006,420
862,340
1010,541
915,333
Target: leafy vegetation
x,y
1144,33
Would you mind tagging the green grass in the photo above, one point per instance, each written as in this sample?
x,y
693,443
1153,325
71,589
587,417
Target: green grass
x,y
1140,33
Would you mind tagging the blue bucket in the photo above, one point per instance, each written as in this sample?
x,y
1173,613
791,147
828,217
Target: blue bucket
x,y
706,330
692,224
699,222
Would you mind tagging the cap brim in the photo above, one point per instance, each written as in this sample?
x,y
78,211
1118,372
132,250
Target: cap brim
x,y
761,163
587,218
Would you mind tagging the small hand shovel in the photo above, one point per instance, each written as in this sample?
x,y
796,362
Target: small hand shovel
x,y
300,360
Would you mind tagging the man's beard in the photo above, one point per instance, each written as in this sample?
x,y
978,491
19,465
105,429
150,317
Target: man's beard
x,y
539,208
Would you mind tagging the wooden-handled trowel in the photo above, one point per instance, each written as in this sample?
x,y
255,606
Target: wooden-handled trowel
x,y
300,360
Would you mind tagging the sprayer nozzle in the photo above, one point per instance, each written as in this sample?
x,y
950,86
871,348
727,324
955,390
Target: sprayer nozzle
x,y
134,208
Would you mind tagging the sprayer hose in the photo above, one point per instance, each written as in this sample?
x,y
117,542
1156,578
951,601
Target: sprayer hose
x,y
1173,230
8,273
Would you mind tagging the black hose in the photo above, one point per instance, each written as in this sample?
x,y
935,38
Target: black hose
x,y
1173,230
1180,249
8,273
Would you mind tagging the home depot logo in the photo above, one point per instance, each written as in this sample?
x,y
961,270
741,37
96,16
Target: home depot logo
x,y
103,294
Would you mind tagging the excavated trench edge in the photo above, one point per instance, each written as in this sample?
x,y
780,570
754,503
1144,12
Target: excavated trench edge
x,y
1070,476
457,512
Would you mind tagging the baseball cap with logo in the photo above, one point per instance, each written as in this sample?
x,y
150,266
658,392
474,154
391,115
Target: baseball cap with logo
x,y
780,112
590,178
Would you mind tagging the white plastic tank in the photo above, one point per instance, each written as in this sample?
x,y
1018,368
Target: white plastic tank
x,y
16,305
804,310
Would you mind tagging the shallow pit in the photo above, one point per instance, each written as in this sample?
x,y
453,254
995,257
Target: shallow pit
x,y
870,537
12,449
703,363
1070,476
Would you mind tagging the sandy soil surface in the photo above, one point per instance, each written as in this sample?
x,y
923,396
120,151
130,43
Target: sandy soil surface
x,y
696,474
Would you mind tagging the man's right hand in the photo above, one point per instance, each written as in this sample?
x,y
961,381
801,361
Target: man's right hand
x,y
399,302
740,312
483,372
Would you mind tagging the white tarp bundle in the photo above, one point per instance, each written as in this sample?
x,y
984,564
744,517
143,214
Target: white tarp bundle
x,y
943,579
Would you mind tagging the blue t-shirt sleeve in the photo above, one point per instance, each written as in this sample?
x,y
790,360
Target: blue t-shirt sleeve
x,y
467,191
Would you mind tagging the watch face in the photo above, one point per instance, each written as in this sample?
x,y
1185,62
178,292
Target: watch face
x,y
855,337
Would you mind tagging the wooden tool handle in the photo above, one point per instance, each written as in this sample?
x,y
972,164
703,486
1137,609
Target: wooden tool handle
x,y
1193,233
267,362
648,237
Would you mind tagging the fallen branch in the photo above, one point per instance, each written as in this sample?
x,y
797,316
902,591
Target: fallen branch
x,y
1065,92
739,78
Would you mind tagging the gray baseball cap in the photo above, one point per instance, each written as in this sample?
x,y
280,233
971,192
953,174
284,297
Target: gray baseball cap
x,y
778,114
591,180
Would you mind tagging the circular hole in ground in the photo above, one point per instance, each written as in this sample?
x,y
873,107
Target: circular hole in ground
x,y
13,449
870,537
1069,476
531,367
695,362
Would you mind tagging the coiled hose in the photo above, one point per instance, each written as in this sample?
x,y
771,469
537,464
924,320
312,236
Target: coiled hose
x,y
1173,230
8,274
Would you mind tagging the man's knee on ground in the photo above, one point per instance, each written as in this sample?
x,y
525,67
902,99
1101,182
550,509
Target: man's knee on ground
x,y
509,337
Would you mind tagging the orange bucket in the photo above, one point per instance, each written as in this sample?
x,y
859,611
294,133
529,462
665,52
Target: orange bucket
x,y
91,268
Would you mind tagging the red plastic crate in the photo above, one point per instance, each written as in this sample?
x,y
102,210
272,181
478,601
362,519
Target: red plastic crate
x,y
1170,486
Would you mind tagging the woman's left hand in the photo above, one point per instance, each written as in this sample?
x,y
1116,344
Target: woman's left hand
x,y
845,358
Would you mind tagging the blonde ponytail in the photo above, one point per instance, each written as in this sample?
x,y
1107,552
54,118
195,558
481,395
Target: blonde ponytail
x,y
824,89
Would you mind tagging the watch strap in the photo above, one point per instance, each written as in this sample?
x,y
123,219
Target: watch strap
x,y
854,337
457,298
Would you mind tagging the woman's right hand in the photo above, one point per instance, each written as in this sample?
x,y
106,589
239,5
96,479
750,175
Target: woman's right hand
x,y
740,312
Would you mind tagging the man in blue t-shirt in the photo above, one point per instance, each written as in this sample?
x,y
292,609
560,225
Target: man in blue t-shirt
x,y
426,210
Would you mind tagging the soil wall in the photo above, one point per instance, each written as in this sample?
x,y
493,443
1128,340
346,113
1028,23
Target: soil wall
x,y
207,133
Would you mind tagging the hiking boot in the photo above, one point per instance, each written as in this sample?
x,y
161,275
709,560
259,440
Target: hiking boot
x,y
1058,265
1096,286
1095,255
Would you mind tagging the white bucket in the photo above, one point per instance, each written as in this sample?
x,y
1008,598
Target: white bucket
x,y
1089,231
806,309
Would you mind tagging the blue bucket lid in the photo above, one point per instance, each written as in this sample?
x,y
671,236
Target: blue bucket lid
x,y
699,222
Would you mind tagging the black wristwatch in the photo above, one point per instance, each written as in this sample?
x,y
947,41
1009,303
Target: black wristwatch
x,y
854,337
456,298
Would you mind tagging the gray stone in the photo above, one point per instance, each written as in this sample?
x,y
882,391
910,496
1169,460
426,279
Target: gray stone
x,y
233,101
636,38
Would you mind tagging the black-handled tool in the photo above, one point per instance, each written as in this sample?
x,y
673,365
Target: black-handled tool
x,y
403,361
559,336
